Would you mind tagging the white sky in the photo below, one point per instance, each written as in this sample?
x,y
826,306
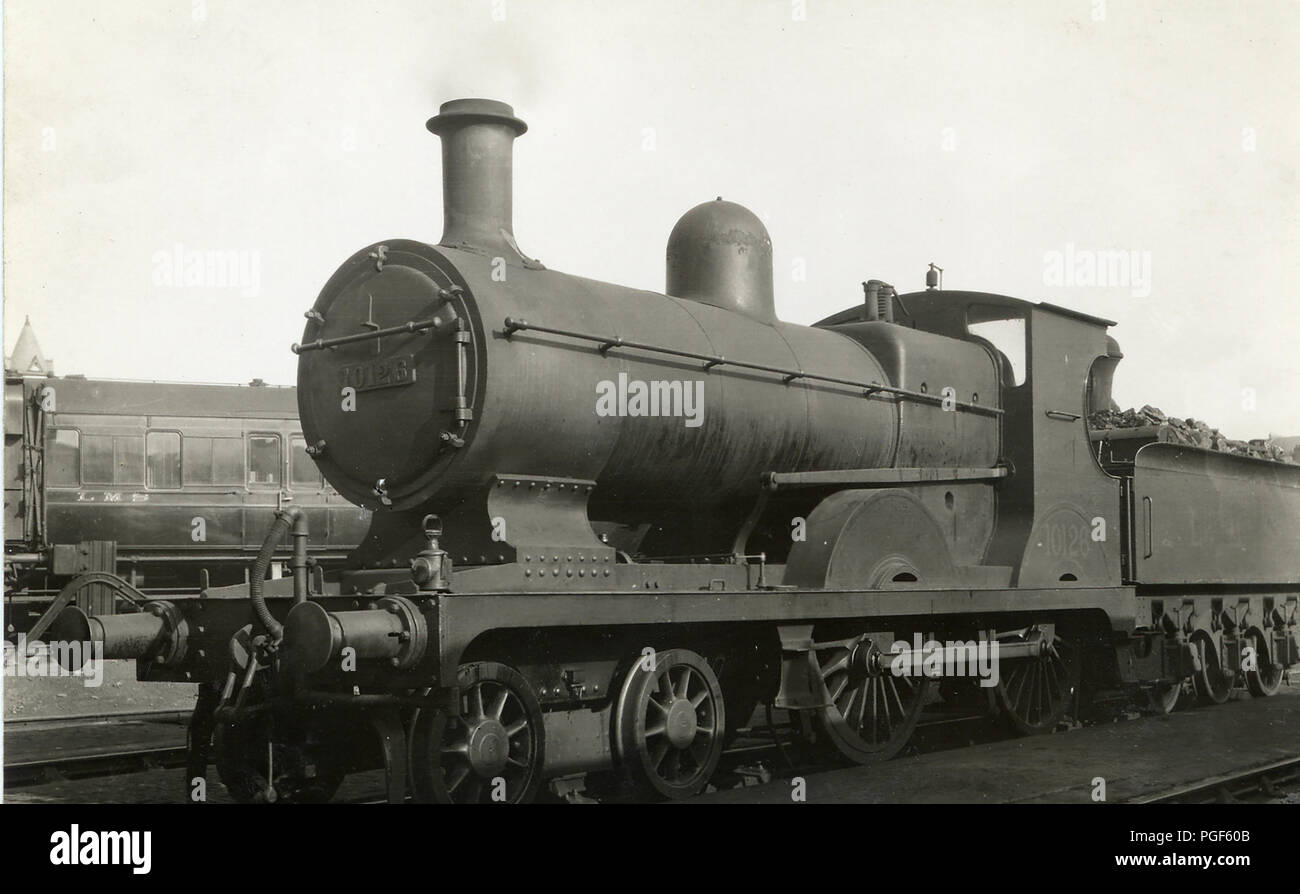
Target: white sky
x,y
295,131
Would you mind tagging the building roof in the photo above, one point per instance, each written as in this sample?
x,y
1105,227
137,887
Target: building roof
x,y
27,358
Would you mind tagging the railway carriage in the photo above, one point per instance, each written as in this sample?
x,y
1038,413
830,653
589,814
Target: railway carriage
x,y
608,523
159,485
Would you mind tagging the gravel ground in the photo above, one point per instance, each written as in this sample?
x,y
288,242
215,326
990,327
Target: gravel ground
x,y
118,690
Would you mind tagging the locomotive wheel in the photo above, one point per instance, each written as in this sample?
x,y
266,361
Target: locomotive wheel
x,y
1165,701
1213,683
495,749
669,724
873,711
300,767
1033,693
1266,678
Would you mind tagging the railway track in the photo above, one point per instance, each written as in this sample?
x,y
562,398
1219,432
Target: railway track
x,y
160,716
59,761
1253,785
761,753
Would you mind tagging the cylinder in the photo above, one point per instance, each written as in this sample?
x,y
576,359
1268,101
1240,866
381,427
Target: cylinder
x,y
314,637
155,633
477,149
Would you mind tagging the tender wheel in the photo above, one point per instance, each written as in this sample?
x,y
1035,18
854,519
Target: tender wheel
x,y
1213,682
1266,678
1034,693
300,760
873,711
669,724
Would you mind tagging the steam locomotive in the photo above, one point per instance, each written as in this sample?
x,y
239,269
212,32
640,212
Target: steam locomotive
x,y
608,523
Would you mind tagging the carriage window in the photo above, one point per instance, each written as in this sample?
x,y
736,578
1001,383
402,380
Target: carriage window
x,y
163,459
302,467
198,461
227,461
97,459
214,461
62,457
263,459
108,459
128,460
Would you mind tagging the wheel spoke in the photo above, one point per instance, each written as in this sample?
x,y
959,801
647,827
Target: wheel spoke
x,y
474,791
898,698
839,689
499,703
658,753
684,683
666,686
673,765
838,664
454,782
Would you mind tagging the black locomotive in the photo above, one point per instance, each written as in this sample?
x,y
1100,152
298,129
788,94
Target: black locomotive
x,y
610,522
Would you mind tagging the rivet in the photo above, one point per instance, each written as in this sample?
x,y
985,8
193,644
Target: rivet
x,y
528,572
581,572
555,572
568,572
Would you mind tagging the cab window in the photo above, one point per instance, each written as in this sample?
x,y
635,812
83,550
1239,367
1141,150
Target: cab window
x,y
1004,331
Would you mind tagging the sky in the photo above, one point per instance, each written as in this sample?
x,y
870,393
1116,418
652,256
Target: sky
x,y
1012,143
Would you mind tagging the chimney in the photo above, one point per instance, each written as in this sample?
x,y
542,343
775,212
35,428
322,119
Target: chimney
x,y
477,137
